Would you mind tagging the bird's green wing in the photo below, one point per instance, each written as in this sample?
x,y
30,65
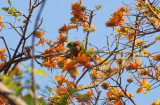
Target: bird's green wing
x,y
71,47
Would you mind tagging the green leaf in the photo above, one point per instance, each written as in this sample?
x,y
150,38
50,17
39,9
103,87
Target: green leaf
x,y
42,101
39,72
158,8
28,99
14,9
7,80
143,4
63,102
5,8
18,90
15,14
9,2
52,88
158,13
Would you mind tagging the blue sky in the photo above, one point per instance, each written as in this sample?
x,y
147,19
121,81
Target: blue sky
x,y
55,14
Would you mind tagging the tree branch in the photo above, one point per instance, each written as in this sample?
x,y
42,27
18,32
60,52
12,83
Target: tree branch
x,y
7,93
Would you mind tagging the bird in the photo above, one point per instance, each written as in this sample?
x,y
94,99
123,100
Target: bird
x,y
27,51
77,46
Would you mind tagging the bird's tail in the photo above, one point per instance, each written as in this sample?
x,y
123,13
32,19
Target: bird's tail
x,y
92,52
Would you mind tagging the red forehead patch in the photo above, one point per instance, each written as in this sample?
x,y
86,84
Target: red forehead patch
x,y
75,44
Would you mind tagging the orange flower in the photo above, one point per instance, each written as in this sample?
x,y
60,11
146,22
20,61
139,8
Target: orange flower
x,y
130,80
61,61
71,65
94,74
79,13
153,20
60,79
144,84
90,93
41,41
100,59
25,21
125,8
75,5
50,50
2,54
1,25
49,62
140,42
146,52
116,95
156,103
144,71
105,85
92,28
85,97
156,57
98,7
71,68
114,21
139,3
157,69
76,73
118,17
120,60
61,39
65,28
3,100
81,58
134,65
61,91
122,30
130,36
70,85
39,34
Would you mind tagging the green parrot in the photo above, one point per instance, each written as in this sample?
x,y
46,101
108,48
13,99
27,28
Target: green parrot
x,y
77,46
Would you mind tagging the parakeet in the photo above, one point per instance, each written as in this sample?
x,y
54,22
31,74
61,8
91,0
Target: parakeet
x,y
77,46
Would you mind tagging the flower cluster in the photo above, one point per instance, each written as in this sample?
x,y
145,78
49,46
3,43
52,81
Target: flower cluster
x,y
115,96
140,43
146,52
79,13
120,60
156,57
134,64
144,85
65,28
84,61
71,68
39,34
118,17
1,25
50,63
98,7
84,98
2,54
86,28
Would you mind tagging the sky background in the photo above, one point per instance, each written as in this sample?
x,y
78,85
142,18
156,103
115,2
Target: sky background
x,y
55,14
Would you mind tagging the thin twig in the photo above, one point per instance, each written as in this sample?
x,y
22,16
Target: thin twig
x,y
6,46
90,21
